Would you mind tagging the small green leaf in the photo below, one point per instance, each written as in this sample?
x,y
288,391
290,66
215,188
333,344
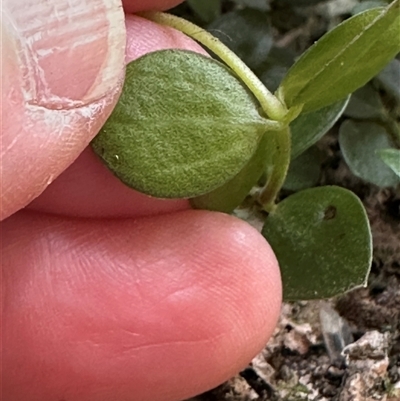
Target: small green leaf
x,y
304,171
207,10
365,103
309,128
392,158
246,32
359,143
344,59
230,195
322,239
184,125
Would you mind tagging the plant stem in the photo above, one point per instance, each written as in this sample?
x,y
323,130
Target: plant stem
x,y
281,161
270,104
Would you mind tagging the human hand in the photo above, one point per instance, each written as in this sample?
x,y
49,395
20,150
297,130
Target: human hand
x,y
108,294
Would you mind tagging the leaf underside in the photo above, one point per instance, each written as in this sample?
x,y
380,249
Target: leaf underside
x,y
230,195
184,125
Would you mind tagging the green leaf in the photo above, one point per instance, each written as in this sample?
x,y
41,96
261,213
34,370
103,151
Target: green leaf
x,y
322,239
304,171
359,143
309,128
207,10
246,32
230,195
344,59
184,125
365,103
392,158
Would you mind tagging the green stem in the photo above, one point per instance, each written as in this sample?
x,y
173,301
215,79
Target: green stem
x,y
270,104
281,161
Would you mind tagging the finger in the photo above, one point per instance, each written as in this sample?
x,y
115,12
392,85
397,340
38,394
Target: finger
x,y
157,308
63,73
87,188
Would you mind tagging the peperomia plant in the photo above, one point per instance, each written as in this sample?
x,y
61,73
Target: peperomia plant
x,y
190,126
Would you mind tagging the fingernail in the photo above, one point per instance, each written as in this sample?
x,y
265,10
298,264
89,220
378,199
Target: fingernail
x,y
69,52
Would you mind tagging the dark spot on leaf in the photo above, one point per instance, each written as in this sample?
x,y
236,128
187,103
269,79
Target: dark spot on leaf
x,y
330,213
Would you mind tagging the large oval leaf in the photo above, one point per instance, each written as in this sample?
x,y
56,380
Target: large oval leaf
x,y
230,195
322,239
183,126
359,143
344,59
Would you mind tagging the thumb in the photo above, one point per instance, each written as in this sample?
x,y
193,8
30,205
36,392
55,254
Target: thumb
x,y
62,70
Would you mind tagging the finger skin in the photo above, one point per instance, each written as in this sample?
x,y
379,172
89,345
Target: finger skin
x,y
63,73
88,188
157,308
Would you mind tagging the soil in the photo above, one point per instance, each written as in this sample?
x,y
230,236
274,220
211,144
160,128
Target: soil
x,y
342,349
346,348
